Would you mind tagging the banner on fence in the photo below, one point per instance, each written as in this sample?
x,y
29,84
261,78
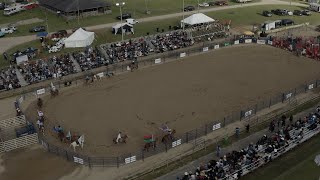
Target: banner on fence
x,y
130,159
248,41
41,91
77,160
261,42
157,61
182,55
269,42
205,49
216,126
226,44
100,75
216,46
176,143
248,113
236,42
310,86
128,68
289,95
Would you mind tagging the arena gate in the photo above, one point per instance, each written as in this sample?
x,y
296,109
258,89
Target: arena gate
x,y
15,133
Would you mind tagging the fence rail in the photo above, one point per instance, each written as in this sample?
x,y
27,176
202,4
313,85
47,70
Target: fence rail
x,y
20,142
12,122
190,136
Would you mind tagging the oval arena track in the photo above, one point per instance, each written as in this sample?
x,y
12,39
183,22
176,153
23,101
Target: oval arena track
x,y
183,94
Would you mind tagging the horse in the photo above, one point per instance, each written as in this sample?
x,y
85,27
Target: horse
x,y
62,136
54,92
39,103
123,139
75,144
168,137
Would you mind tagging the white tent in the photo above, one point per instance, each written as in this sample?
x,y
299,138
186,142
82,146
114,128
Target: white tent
x,y
80,38
198,18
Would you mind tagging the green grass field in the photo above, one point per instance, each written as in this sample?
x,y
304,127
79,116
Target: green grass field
x,y
295,165
137,8
239,17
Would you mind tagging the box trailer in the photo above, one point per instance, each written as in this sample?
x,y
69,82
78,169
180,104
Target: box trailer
x,y
314,7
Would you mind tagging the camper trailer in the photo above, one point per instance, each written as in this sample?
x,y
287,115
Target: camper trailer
x,y
13,10
243,1
314,7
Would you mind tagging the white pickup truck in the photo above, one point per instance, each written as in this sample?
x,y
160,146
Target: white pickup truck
x,y
132,21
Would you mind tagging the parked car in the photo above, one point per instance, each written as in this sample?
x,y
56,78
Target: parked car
x,y
267,13
189,8
7,30
287,12
38,29
2,34
132,21
221,3
124,16
212,3
2,5
278,12
285,22
204,4
297,12
306,12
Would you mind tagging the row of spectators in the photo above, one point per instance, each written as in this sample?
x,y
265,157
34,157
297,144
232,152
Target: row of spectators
x,y
8,79
53,67
232,164
129,50
133,49
89,59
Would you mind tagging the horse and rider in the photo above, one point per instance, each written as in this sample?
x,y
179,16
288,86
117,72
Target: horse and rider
x,y
120,138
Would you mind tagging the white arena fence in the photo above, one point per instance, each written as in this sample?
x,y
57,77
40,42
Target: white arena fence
x,y
7,129
188,137
20,142
13,122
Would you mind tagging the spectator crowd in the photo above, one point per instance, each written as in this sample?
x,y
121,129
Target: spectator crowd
x,y
8,79
54,67
232,164
89,59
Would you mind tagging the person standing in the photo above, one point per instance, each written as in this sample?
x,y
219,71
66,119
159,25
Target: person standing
x,y
237,132
248,128
218,151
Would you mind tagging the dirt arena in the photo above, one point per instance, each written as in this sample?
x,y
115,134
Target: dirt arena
x,y
183,94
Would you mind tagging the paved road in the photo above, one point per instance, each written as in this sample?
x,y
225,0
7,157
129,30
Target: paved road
x,y
7,43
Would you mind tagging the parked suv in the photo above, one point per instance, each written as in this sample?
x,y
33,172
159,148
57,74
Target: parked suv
x,y
306,12
189,8
297,12
278,12
38,29
267,13
124,16
286,22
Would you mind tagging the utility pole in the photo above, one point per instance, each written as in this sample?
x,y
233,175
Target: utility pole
x,y
78,12
120,5
182,15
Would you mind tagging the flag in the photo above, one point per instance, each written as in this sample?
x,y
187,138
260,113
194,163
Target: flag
x,y
148,138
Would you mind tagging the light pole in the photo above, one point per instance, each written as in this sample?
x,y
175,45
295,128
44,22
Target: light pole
x,y
120,5
182,15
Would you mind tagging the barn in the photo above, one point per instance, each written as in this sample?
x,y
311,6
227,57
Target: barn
x,y
71,8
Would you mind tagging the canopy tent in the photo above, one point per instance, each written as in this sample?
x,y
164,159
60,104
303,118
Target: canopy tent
x,y
80,38
198,18
116,29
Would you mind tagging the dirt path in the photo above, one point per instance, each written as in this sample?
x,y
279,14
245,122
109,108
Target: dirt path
x,y
8,43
